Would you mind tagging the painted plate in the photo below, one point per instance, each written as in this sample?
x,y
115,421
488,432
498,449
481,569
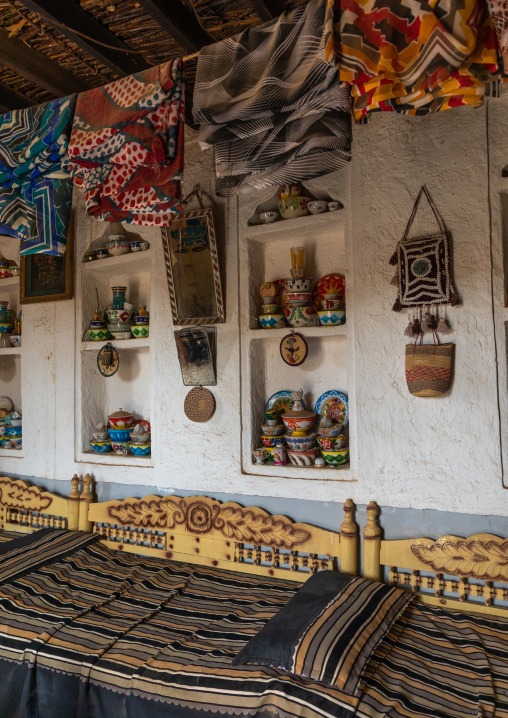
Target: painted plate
x,y
281,401
329,284
334,404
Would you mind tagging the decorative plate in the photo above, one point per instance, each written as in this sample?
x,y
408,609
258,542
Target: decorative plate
x,y
334,404
281,401
108,360
294,349
329,284
199,404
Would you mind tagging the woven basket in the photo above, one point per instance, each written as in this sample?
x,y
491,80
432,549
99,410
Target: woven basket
x,y
428,368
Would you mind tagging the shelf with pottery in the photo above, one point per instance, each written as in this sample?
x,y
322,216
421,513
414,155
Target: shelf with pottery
x,y
112,459
133,343
327,222
131,262
12,453
279,332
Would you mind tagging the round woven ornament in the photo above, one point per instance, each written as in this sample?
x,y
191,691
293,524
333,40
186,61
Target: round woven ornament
x,y
199,404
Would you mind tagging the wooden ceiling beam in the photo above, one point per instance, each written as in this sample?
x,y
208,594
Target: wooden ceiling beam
x,y
11,99
267,9
178,22
38,68
67,16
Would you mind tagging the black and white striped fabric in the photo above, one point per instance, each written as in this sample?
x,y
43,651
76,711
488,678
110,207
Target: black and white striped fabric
x,y
270,103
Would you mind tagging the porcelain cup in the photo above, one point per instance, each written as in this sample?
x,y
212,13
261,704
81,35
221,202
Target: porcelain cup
x,y
268,217
317,206
260,455
15,340
333,206
100,435
145,246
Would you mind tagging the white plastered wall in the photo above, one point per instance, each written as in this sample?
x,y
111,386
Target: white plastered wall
x,y
422,453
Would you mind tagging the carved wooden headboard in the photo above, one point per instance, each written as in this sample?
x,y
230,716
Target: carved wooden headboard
x,y
26,508
469,574
202,530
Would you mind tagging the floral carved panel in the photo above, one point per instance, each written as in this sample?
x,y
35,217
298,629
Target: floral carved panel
x,y
487,560
16,494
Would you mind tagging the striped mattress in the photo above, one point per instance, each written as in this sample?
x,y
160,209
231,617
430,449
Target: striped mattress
x,y
87,631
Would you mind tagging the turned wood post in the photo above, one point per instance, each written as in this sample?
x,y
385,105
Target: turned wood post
x,y
372,544
74,496
84,502
349,540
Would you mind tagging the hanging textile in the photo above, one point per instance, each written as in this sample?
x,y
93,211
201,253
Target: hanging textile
x,y
270,103
499,13
126,146
35,189
415,56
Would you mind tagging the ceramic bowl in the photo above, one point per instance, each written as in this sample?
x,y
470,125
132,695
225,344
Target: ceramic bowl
x,y
116,247
268,217
141,449
121,335
270,308
15,271
302,458
119,327
101,447
2,430
16,422
297,285
336,458
334,206
301,316
135,246
119,434
300,443
270,440
5,274
119,316
140,332
13,431
97,324
329,431
331,296
101,253
276,430
140,438
331,318
98,335
271,321
298,423
120,420
100,435
331,304
5,442
293,207
15,340
145,245
16,442
5,327
331,443
119,446
141,320
298,299
317,206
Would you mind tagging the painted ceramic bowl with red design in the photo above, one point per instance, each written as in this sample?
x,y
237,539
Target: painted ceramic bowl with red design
x,y
329,430
302,458
117,245
270,440
293,207
300,443
299,423
298,299
297,285
120,420
332,443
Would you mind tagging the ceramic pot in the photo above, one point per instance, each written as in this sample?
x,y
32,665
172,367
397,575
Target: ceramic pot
x,y
117,245
268,217
16,442
140,438
97,324
141,332
101,253
119,316
5,443
99,335
15,340
297,285
272,321
120,327
13,431
317,206
336,458
141,449
298,420
145,246
331,318
121,335
300,443
293,207
120,420
302,458
301,316
141,320
4,314
15,421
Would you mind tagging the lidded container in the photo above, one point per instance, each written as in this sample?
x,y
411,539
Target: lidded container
x,y
120,420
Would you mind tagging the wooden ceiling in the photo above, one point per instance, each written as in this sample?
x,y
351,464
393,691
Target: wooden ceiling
x,y
52,48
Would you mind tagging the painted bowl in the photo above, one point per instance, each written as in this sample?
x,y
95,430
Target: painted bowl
x,y
329,430
302,458
119,434
5,442
16,422
269,453
140,332
268,217
298,299
15,340
5,327
300,443
120,327
120,420
101,253
122,335
135,246
145,245
301,316
15,271
101,447
293,207
116,247
271,321
119,446
328,304
140,438
276,430
331,318
331,443
119,316
336,458
299,423
317,206
97,324
100,435
2,430
141,449
334,206
141,320
99,335
270,308
297,285
16,442
270,440
13,431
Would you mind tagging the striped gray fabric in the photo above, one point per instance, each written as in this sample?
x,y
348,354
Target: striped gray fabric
x,y
270,103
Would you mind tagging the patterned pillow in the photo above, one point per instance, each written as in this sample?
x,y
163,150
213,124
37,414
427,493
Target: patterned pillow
x,y
329,629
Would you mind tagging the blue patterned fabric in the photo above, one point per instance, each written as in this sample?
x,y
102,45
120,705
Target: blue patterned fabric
x,y
35,188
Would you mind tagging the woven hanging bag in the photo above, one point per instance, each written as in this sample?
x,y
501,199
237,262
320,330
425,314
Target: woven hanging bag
x,y
428,368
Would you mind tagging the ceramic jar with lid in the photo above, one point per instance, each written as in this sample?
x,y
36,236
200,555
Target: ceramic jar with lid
x,y
120,420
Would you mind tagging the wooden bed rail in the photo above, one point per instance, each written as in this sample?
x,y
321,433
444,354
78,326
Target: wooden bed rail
x,y
200,529
27,508
469,574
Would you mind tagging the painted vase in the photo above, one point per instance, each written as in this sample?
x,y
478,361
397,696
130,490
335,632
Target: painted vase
x,y
118,297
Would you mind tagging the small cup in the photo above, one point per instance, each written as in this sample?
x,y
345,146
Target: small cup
x,y
298,273
144,246
331,296
268,217
135,246
317,206
101,253
331,304
15,271
334,206
15,340
100,435
270,308
260,455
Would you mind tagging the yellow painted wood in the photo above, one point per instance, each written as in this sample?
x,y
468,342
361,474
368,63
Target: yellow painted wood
x,y
85,501
74,498
349,541
372,544
27,508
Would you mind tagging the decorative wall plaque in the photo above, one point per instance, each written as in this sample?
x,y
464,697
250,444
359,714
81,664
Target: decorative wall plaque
x,y
294,349
199,404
